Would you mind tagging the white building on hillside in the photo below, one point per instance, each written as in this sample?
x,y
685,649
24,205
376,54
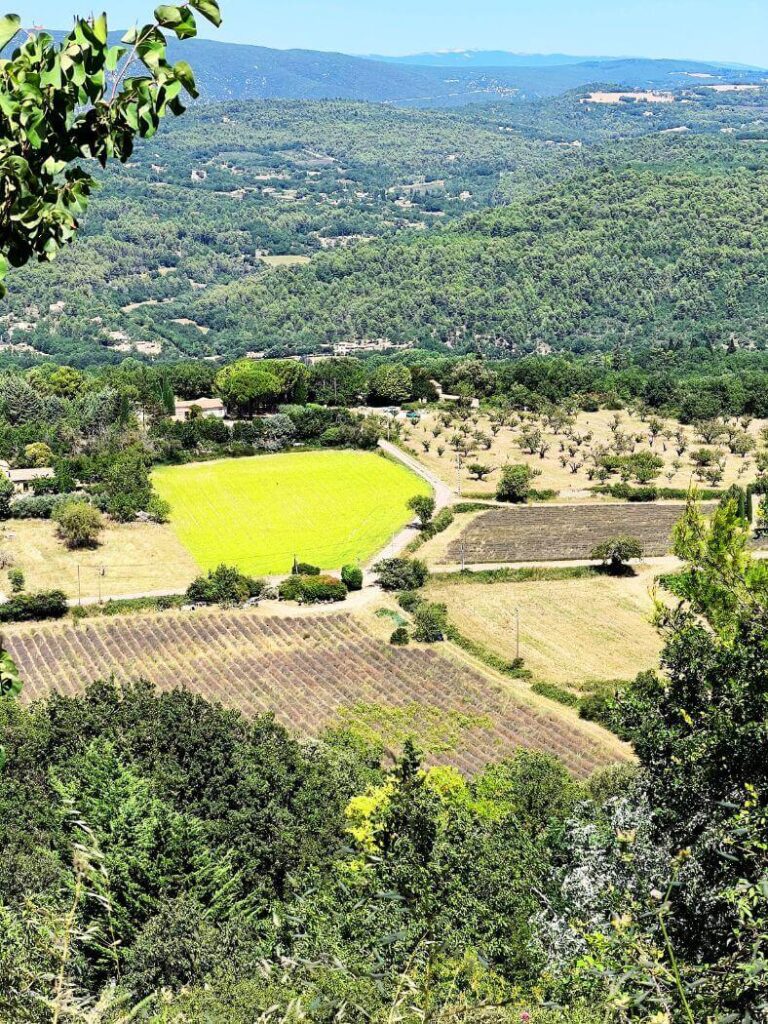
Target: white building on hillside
x,y
207,406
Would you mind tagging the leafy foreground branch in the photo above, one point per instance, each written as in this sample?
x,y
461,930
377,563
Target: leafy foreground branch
x,y
82,99
218,870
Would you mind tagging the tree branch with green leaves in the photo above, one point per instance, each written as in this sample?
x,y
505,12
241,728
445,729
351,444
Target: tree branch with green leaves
x,y
64,104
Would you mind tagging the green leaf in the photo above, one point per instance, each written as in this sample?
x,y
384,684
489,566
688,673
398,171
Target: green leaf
x,y
10,25
186,76
100,28
168,16
179,19
114,55
152,53
209,9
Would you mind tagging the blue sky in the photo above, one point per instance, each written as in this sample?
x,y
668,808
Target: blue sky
x,y
735,30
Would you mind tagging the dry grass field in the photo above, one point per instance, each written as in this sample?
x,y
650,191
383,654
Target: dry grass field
x,y
566,466
313,673
572,632
131,559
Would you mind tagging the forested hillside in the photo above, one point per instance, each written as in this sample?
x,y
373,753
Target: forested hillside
x,y
611,257
201,203
179,243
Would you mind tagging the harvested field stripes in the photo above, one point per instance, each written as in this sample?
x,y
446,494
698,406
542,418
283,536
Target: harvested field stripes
x,y
548,533
312,673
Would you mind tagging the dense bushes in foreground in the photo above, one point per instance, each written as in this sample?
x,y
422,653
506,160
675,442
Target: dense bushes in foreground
x,y
45,604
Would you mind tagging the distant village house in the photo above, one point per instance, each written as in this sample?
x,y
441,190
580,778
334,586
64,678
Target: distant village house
x,y
22,479
207,406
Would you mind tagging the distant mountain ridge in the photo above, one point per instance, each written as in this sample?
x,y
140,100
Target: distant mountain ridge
x,y
486,59
233,71
510,59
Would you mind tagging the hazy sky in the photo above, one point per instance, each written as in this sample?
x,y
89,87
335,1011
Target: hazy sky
x,y
735,30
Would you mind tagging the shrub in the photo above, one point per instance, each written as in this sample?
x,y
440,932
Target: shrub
x,y
628,493
79,524
224,585
409,600
441,522
616,552
555,692
16,580
158,510
597,706
430,622
6,493
401,573
46,604
352,577
304,569
40,506
123,507
312,589
515,483
399,637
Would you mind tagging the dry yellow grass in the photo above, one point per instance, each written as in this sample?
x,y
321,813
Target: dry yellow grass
x,y
131,559
572,632
571,486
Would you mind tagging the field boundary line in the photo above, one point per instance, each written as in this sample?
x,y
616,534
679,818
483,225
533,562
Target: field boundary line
x,y
522,690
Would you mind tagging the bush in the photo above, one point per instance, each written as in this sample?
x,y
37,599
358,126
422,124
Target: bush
x,y
555,692
597,706
6,493
304,569
224,585
46,604
441,522
399,637
312,589
158,510
430,622
16,580
352,577
40,506
409,601
626,492
401,573
515,483
79,524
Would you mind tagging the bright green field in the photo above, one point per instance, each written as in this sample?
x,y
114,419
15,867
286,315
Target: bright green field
x,y
327,508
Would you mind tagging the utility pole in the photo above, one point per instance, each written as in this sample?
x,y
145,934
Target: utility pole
x,y
458,473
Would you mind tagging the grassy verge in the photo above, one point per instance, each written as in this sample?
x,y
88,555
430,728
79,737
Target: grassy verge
x,y
527,575
124,606
555,692
513,669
